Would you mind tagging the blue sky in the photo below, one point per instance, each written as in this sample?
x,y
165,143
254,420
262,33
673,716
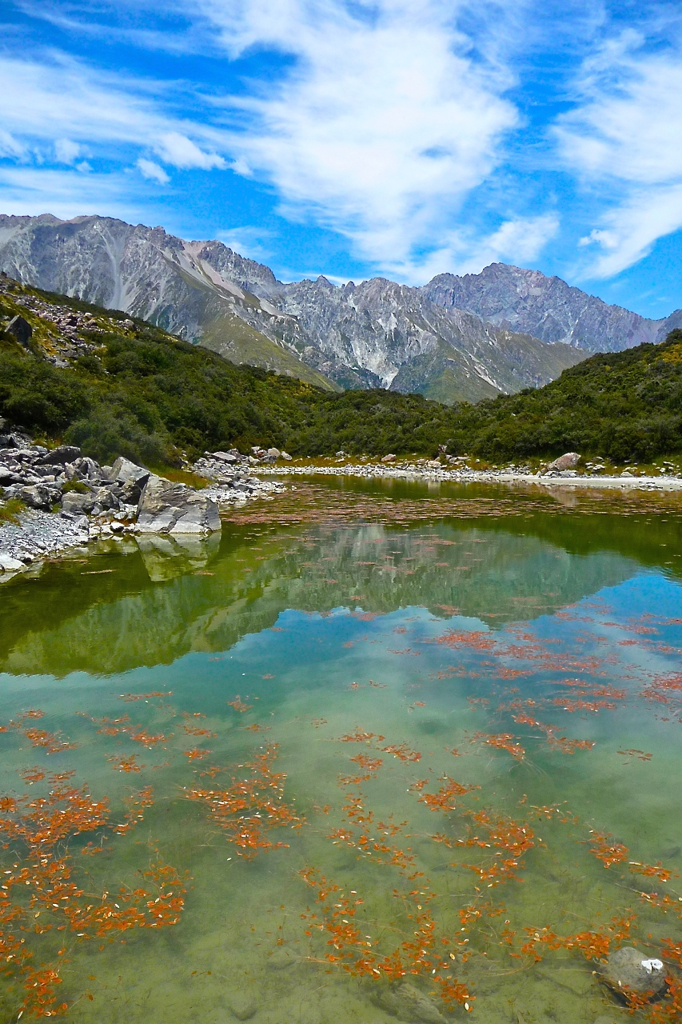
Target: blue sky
x,y
352,138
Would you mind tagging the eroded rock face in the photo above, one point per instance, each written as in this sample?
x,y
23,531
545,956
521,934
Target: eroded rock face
x,y
546,307
167,507
630,970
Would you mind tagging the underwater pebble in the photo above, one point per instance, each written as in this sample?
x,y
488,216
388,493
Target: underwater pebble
x,y
242,1005
406,1002
629,968
281,959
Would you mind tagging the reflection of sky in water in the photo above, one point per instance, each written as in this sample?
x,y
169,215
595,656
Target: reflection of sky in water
x,y
318,643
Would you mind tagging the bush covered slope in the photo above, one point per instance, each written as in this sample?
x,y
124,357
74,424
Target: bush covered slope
x,y
620,405
143,393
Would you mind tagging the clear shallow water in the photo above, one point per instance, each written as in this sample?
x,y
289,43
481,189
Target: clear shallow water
x,y
341,686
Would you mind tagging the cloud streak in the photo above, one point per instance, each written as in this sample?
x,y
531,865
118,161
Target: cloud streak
x,y
623,141
413,129
382,128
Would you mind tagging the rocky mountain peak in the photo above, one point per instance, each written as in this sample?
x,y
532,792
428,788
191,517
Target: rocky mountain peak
x,y
546,307
456,338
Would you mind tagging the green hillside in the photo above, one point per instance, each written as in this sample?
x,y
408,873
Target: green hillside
x,y
620,405
134,390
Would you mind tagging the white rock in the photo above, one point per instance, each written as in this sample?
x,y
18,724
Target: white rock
x,y
167,507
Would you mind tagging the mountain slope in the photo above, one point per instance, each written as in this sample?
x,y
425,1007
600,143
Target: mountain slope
x,y
151,275
548,308
376,334
119,386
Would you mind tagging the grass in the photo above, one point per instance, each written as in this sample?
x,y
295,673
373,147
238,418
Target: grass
x,y
10,511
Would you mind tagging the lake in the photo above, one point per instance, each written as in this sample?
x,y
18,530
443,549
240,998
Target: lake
x,y
380,752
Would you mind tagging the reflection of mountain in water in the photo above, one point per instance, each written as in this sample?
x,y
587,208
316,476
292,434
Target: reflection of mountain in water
x,y
130,621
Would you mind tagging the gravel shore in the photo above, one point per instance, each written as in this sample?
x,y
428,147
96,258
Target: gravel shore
x,y
416,472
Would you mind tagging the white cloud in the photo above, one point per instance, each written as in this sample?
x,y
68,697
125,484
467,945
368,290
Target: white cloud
x,y
518,241
249,240
11,147
179,151
152,171
67,151
383,126
67,193
624,139
72,107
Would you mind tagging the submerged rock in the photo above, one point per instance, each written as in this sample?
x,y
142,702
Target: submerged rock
x,y
242,1005
628,970
407,1003
167,507
282,958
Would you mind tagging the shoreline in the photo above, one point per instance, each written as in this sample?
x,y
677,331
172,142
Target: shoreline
x,y
42,536
425,474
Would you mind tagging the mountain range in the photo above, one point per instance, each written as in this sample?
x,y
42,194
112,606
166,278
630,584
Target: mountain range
x,y
455,338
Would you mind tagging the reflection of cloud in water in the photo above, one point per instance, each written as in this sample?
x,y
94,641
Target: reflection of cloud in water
x,y
491,575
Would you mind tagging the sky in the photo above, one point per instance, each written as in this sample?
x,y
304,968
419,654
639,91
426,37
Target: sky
x,y
401,138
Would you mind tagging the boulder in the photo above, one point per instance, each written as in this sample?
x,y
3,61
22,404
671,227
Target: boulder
x,y
568,461
388,458
20,329
434,464
10,564
86,468
105,498
167,507
40,495
629,970
77,503
274,453
286,456
60,456
131,477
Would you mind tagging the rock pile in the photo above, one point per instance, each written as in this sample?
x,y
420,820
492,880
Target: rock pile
x,y
42,478
71,499
67,332
231,467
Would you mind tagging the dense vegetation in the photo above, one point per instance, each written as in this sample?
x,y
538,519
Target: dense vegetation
x,y
147,395
622,406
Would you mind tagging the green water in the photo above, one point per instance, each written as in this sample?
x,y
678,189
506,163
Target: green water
x,y
432,618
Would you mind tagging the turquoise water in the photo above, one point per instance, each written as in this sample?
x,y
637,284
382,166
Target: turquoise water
x,y
455,707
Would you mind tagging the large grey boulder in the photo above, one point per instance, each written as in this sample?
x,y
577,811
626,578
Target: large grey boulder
x,y
131,478
568,461
629,970
20,329
77,503
167,507
40,495
60,456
